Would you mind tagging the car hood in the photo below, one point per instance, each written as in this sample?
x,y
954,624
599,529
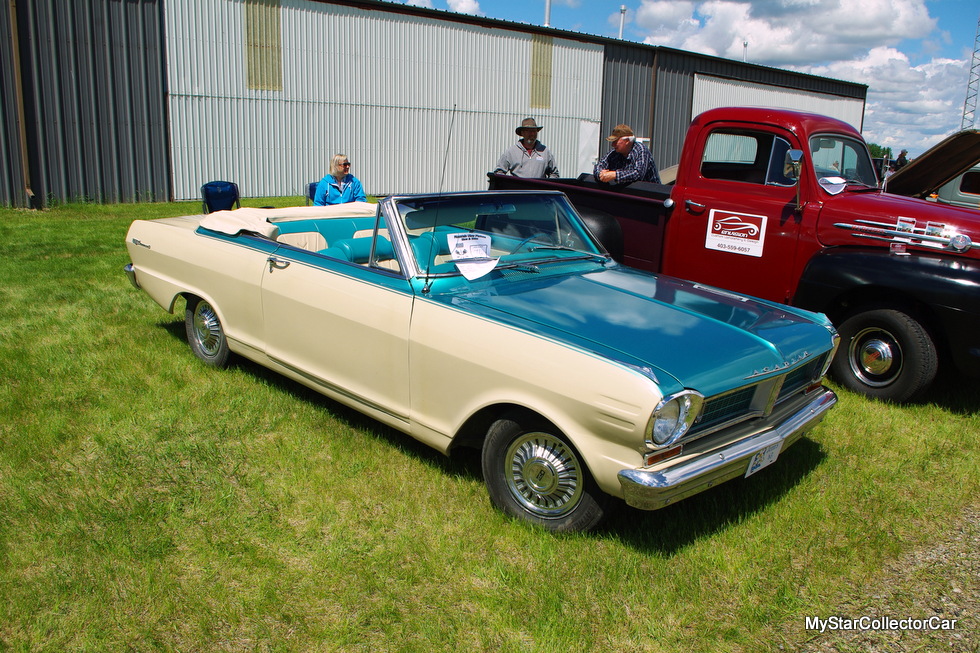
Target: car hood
x,y
941,163
687,334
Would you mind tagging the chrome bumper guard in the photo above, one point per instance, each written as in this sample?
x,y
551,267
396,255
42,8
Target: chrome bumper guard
x,y
131,273
650,490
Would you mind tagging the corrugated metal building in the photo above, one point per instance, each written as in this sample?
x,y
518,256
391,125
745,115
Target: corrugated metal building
x,y
138,100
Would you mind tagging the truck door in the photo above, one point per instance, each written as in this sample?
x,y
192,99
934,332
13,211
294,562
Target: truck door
x,y
735,224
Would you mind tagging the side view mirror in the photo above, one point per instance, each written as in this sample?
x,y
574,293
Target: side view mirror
x,y
793,166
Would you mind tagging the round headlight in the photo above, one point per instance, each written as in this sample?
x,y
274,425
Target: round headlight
x,y
673,418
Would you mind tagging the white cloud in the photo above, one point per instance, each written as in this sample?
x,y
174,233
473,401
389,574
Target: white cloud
x,y
908,105
465,7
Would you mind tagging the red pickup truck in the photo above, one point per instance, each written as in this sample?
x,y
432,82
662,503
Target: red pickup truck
x,y
786,205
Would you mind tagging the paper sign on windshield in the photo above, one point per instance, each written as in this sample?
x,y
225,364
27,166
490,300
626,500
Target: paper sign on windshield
x,y
737,233
471,253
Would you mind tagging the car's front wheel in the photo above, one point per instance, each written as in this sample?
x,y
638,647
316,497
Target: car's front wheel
x,y
205,334
533,473
885,354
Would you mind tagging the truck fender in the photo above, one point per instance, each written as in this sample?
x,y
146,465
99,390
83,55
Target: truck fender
x,y
928,302
606,228
836,279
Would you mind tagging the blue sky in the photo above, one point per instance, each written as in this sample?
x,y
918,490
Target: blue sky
x,y
914,55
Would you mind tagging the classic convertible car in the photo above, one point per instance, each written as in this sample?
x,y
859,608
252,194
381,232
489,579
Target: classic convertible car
x,y
496,320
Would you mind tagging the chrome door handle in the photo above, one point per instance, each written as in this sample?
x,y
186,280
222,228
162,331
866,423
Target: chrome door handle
x,y
277,263
694,207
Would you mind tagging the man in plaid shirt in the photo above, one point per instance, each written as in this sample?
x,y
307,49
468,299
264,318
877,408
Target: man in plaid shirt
x,y
627,161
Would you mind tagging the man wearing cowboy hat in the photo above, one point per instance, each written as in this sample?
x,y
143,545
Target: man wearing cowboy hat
x,y
627,161
528,157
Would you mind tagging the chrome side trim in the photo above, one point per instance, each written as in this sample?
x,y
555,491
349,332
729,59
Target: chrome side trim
x,y
650,490
131,273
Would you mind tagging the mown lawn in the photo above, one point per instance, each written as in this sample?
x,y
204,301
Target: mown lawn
x,y
148,502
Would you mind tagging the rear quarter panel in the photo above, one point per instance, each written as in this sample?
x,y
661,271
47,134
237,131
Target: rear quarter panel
x,y
171,259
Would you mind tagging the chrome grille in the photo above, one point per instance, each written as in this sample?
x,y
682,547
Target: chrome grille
x,y
800,377
724,408
755,400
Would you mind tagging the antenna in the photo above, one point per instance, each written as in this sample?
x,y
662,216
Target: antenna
x,y
442,177
970,104
449,139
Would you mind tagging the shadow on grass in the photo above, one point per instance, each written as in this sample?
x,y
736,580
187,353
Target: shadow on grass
x,y
669,530
346,414
665,531
954,392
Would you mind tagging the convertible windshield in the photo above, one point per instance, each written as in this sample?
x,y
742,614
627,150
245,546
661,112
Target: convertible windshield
x,y
476,233
839,161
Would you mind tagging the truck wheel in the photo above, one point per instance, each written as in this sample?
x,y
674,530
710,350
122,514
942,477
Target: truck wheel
x,y
885,354
534,474
205,333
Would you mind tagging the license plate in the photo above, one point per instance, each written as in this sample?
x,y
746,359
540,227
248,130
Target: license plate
x,y
763,458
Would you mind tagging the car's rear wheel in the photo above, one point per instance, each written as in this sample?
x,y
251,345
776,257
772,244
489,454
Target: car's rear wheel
x,y
533,473
205,334
885,354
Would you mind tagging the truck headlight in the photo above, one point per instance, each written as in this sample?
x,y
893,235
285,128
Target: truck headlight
x,y
673,417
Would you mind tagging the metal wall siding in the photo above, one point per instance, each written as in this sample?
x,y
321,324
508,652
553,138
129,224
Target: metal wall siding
x,y
711,92
119,95
672,102
680,96
627,90
378,86
12,178
93,100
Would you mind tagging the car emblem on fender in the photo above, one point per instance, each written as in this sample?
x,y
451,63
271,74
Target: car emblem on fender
x,y
778,368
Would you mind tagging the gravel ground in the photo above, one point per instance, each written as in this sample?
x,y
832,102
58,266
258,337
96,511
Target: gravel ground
x,y
940,582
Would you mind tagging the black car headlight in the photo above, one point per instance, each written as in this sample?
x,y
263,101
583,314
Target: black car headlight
x,y
673,418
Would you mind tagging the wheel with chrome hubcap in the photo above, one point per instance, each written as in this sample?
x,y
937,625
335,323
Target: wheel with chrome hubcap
x,y
205,334
885,354
535,474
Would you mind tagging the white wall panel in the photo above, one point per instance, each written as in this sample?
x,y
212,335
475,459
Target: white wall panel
x,y
711,92
381,87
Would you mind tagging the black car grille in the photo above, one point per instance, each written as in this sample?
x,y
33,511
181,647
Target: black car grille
x,y
755,400
724,408
799,378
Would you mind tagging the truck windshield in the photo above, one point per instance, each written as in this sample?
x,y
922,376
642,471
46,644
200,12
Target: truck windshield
x,y
837,157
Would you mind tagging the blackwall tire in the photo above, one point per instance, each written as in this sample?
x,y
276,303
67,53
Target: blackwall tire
x,y
534,474
205,334
885,354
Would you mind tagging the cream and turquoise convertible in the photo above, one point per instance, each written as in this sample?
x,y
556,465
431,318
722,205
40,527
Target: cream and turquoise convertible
x,y
496,320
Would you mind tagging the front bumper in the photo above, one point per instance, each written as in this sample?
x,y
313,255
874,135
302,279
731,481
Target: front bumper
x,y
650,490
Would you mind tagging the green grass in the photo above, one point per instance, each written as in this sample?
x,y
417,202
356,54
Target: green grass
x,y
148,502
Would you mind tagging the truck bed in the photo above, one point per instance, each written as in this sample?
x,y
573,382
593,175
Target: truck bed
x,y
630,220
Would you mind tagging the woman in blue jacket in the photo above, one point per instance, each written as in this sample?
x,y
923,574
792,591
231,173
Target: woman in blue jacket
x,y
339,186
